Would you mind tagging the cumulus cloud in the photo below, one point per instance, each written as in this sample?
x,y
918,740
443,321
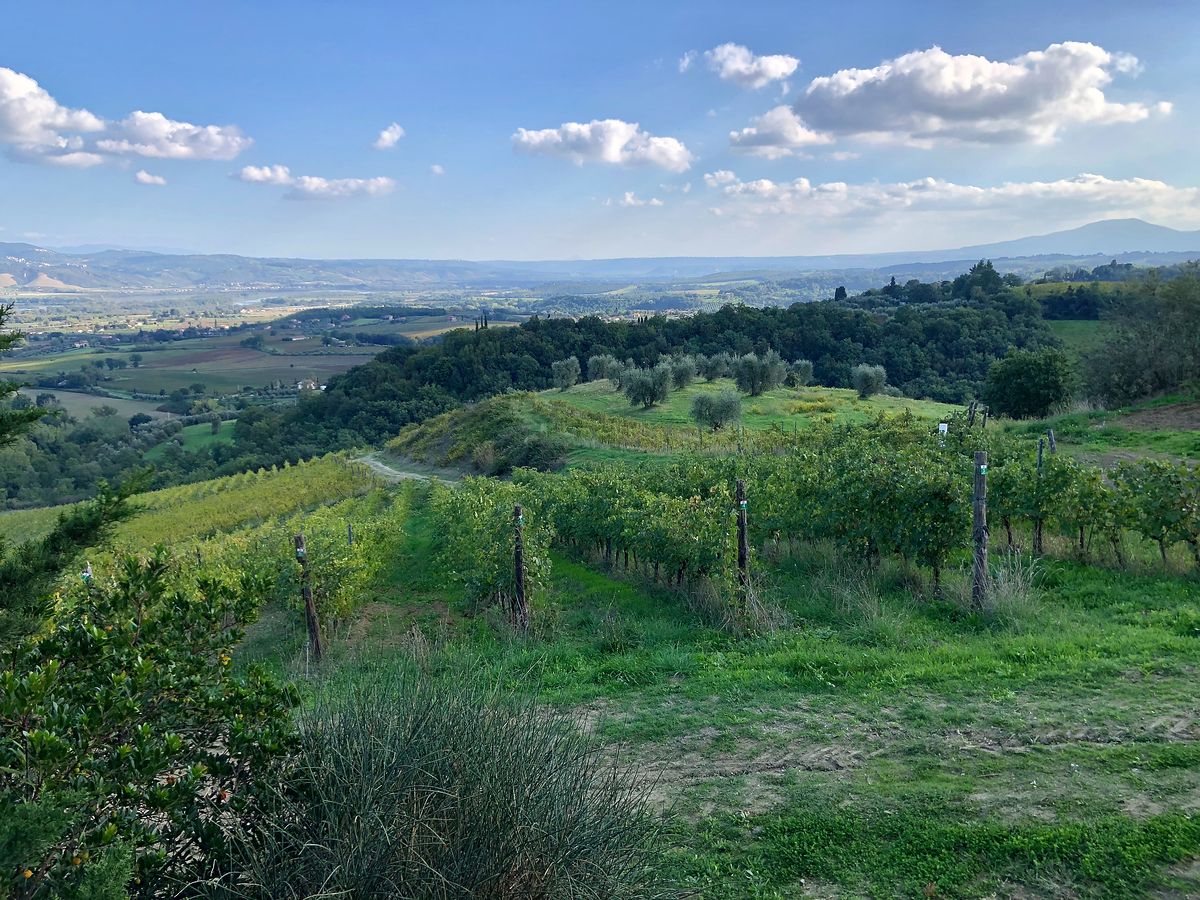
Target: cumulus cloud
x,y
34,127
144,177
632,199
1093,195
733,62
314,186
437,169
609,141
389,137
685,61
155,136
931,95
719,177
777,133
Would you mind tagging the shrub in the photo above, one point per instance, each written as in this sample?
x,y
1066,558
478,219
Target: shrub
x,y
717,410
415,786
565,372
758,374
126,741
868,380
1028,383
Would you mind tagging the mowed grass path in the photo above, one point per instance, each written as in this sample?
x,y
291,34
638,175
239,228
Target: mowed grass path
x,y
881,744
787,408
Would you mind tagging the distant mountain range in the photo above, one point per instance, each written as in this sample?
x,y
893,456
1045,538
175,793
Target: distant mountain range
x,y
25,267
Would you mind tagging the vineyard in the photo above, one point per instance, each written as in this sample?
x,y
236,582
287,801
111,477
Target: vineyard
x,y
837,689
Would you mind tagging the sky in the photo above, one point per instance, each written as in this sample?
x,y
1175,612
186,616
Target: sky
x,y
530,130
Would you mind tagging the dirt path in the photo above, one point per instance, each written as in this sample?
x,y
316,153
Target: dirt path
x,y
410,472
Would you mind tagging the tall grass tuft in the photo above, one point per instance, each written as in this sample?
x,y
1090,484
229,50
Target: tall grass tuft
x,y
419,786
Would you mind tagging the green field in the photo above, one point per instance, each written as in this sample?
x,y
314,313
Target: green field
x,y
197,437
1081,335
80,405
218,363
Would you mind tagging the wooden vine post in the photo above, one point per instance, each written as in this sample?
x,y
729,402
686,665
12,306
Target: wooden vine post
x,y
743,541
310,608
979,579
1037,525
520,609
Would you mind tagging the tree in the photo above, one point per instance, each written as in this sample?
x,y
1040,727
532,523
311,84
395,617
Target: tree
x,y
139,419
135,360
756,375
13,422
683,371
214,420
647,387
566,372
602,365
716,366
868,380
839,295
716,410
800,373
1029,383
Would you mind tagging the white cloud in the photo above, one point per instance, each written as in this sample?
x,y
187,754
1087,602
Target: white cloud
x,y
1086,194
314,186
37,128
265,174
931,95
610,141
685,61
719,177
437,169
155,136
389,137
777,133
144,177
632,199
733,62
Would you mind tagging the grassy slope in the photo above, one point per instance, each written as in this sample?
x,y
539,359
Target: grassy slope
x,y
197,437
785,407
878,745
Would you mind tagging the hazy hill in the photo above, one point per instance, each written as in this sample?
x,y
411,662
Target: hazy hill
x,y
45,269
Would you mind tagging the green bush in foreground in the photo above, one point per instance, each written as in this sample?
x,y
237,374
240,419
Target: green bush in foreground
x,y
415,786
126,744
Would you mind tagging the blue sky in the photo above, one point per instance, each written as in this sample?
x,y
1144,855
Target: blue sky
x,y
762,128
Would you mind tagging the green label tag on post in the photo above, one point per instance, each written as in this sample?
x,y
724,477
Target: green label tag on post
x,y
983,469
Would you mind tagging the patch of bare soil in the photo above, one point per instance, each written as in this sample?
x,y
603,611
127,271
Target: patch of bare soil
x,y
1175,417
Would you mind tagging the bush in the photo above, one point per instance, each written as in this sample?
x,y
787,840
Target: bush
x,y
565,372
414,786
756,375
717,410
1029,383
126,741
868,380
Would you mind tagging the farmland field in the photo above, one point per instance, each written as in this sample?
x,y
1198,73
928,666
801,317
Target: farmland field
x,y
80,405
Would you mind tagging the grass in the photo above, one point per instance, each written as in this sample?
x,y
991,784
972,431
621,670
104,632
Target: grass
x,y
1080,335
